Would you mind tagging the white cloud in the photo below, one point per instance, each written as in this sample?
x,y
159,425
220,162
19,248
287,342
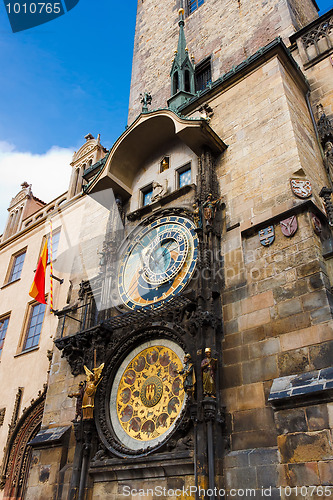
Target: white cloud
x,y
48,173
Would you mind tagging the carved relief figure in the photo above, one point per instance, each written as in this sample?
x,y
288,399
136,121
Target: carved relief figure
x,y
158,191
208,370
210,207
188,376
329,159
79,397
88,401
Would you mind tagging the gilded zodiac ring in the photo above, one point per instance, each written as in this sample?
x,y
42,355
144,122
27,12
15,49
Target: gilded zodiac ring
x,y
148,394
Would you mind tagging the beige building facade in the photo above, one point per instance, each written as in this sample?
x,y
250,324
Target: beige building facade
x,y
196,307
27,327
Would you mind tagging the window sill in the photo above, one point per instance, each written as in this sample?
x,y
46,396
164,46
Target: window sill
x,y
26,351
148,209
10,283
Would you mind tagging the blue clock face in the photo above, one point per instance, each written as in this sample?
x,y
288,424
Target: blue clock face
x,y
158,263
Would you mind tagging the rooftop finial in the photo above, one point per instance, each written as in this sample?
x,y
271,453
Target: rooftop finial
x,y
181,13
182,71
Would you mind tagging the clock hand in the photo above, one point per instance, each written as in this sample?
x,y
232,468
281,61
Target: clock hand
x,y
132,287
168,246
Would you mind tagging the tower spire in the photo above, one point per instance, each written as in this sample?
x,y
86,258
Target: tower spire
x,y
182,71
181,48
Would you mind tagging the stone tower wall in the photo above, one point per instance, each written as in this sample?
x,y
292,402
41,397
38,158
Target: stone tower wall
x,y
229,35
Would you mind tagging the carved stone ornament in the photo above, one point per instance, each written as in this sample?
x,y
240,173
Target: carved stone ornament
x,y
2,415
267,236
289,226
325,127
84,150
15,466
316,224
209,408
301,188
24,193
326,194
318,37
78,349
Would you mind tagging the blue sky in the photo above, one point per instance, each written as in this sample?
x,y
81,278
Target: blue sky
x,y
60,81
68,77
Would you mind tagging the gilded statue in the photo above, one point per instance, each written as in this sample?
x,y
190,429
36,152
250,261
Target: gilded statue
x,y
210,207
188,374
88,401
208,370
197,216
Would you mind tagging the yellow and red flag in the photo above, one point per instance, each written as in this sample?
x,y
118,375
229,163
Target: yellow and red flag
x,y
37,290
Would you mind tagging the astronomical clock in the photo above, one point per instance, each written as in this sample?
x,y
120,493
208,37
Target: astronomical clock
x,y
145,398
154,411
158,263
147,395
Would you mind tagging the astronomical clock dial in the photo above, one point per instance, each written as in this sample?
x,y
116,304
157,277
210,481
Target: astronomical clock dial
x,y
147,395
158,263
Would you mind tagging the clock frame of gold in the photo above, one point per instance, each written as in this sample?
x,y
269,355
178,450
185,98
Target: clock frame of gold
x,y
147,395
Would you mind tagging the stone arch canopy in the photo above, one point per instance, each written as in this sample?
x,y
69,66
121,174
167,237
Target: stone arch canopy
x,y
146,135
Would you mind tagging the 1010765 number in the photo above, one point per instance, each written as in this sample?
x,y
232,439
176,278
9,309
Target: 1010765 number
x,y
306,491
34,8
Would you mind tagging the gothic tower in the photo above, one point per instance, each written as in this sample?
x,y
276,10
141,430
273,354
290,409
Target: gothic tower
x,y
220,35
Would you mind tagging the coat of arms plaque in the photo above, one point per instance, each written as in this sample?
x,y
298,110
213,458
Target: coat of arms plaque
x,y
316,224
289,226
301,187
267,236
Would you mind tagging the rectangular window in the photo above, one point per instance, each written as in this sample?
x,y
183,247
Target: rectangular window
x,y
55,244
147,194
192,5
203,74
34,326
165,164
184,175
16,268
3,330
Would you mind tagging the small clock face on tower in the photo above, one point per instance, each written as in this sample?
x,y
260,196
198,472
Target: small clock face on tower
x,y
158,263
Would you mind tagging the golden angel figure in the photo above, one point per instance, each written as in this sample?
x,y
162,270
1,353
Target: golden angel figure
x,y
88,401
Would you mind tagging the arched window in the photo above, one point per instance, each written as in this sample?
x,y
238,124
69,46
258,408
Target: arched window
x,y
76,181
187,81
10,224
175,83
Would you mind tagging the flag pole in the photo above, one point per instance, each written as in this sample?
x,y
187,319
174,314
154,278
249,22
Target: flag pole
x,y
51,266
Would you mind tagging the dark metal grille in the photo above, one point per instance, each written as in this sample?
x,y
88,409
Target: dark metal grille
x,y
89,320
145,313
203,75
